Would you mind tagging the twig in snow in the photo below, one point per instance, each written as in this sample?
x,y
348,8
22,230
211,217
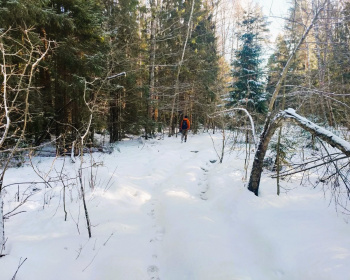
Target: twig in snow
x,y
19,266
104,244
92,259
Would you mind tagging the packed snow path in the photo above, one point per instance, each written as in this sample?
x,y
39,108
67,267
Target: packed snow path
x,y
184,226
166,210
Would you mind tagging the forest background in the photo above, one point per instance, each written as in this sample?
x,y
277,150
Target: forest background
x,y
71,69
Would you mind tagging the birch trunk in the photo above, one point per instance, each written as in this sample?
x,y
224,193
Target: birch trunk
x,y
29,68
2,227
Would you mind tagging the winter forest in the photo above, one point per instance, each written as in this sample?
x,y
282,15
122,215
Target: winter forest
x,y
95,181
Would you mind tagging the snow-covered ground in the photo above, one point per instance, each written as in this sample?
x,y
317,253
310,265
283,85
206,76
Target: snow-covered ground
x,y
165,210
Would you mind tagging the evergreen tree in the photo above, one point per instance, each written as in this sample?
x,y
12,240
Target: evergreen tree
x,y
201,69
97,39
126,98
248,88
75,26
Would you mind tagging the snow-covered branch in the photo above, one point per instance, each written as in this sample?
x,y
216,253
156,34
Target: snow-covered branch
x,y
322,133
228,111
116,76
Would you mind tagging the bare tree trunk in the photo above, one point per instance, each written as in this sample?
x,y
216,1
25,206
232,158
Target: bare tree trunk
x,y
88,224
152,58
177,83
32,56
223,144
278,163
254,180
2,227
82,159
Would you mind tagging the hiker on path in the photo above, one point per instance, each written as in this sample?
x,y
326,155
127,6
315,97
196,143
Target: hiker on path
x,y
184,127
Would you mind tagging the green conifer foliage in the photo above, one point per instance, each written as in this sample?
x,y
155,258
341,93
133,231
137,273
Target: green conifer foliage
x,y
96,39
126,98
248,87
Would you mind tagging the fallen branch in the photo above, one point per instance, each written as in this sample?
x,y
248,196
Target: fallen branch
x,y
19,266
287,173
291,116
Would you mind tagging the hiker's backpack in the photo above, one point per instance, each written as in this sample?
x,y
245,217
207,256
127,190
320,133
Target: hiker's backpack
x,y
184,124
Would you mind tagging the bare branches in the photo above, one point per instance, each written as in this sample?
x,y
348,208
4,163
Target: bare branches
x,y
18,66
243,110
17,81
289,62
302,167
11,213
19,266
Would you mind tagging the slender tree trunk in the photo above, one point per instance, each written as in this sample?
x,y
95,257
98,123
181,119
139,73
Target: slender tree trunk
x,y
177,83
278,160
2,226
64,202
152,58
87,218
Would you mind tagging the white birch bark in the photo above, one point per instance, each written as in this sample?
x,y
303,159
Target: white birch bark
x,y
5,101
32,61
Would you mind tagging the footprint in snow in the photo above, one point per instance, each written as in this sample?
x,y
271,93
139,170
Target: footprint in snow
x,y
159,234
153,272
204,195
151,213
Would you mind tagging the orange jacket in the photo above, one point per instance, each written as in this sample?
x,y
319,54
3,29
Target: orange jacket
x,y
188,123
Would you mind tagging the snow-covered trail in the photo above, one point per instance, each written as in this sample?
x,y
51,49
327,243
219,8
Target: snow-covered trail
x,y
165,210
184,226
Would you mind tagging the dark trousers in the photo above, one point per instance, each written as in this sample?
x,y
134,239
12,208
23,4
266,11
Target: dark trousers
x,y
184,134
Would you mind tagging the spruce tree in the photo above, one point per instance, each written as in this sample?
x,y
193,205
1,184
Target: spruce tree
x,y
248,87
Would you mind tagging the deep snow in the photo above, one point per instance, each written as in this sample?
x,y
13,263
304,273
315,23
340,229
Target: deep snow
x,y
160,209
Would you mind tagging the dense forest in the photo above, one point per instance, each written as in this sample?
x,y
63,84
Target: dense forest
x,y
61,60
74,68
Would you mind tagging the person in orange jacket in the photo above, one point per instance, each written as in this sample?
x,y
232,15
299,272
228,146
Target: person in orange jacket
x,y
184,127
